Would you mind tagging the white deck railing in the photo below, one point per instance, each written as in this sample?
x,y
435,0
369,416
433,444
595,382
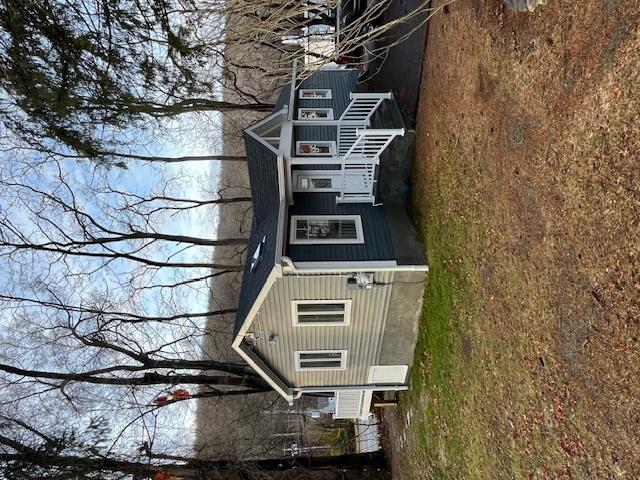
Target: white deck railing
x,y
357,116
353,404
359,164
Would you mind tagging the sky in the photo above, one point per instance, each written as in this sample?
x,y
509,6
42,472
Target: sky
x,y
174,426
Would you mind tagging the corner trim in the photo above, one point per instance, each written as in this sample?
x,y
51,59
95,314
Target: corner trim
x,y
301,268
329,388
236,345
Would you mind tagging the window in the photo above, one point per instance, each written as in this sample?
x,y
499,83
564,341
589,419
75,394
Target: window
x,y
321,360
315,183
316,149
316,180
312,229
315,94
257,254
315,114
309,313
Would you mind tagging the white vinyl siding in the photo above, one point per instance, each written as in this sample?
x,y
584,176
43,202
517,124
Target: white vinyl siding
x,y
315,114
313,360
315,94
362,338
310,313
315,149
318,229
388,374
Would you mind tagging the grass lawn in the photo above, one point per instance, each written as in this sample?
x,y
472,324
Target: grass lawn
x,y
527,196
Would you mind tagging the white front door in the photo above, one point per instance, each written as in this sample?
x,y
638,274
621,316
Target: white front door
x,y
316,180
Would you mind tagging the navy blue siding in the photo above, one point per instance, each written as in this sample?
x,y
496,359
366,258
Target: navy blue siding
x,y
315,132
340,82
377,240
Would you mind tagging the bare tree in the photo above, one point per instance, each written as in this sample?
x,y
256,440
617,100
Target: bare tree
x,y
98,305
28,452
119,65
84,235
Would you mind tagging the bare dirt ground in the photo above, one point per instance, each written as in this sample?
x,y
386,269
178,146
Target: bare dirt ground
x,y
527,193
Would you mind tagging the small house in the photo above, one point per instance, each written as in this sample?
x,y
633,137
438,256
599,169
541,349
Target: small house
x,y
332,288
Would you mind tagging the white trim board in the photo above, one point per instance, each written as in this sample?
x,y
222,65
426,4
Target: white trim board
x,y
334,388
280,240
251,128
304,268
275,273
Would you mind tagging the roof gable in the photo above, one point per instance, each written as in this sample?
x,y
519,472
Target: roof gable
x,y
262,164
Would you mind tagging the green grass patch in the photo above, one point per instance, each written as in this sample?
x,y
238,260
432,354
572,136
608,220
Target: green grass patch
x,y
437,394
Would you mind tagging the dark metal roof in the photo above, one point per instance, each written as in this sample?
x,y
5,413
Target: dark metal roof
x,y
283,98
262,164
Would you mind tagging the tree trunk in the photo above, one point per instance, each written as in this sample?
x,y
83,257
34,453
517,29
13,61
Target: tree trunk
x,y
369,466
159,110
149,378
186,158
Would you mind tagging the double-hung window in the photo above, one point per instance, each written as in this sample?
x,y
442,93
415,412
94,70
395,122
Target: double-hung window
x,y
310,360
309,313
316,180
315,114
315,94
318,229
316,149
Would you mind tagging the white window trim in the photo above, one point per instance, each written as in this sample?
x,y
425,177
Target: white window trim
x,y
295,316
332,174
343,360
319,241
327,96
313,109
331,144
